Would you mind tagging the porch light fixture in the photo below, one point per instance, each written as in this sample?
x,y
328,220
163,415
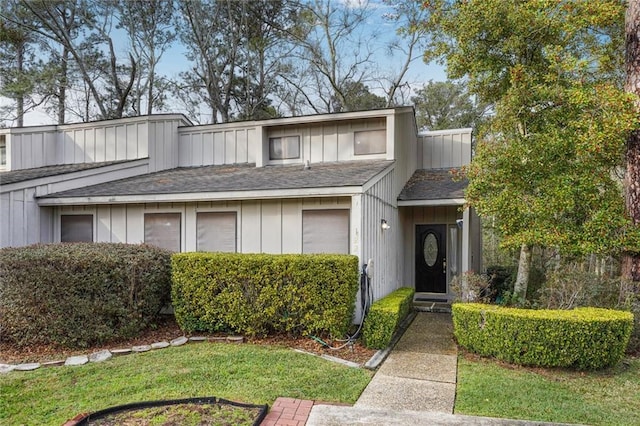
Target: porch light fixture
x,y
460,223
384,225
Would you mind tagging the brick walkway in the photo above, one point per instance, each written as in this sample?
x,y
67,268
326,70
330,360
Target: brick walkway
x,y
288,412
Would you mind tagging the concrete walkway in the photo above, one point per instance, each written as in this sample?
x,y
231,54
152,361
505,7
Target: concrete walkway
x,y
420,372
416,384
419,375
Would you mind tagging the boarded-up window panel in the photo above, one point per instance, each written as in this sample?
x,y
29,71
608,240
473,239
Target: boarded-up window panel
x,y
325,231
162,230
370,142
216,231
76,228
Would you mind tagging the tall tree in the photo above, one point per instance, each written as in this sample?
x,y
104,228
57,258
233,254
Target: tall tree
x,y
631,260
548,67
149,26
446,105
90,44
357,97
21,71
268,24
407,17
233,49
332,52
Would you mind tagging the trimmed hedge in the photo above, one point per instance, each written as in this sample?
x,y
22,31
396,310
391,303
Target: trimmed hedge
x,y
385,316
81,294
582,338
258,294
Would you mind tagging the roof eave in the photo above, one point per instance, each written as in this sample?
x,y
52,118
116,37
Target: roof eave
x,y
204,196
432,203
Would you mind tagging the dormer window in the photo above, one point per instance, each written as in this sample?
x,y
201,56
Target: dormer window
x,y
284,148
370,142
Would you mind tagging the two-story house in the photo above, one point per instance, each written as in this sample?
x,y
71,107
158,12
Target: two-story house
x,y
364,183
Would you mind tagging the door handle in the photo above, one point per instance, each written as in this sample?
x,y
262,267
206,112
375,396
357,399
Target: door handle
x,y
444,266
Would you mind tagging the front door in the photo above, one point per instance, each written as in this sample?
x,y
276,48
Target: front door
x,y
431,259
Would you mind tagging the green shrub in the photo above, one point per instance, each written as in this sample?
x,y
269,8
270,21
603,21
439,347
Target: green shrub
x,y
385,316
258,294
582,338
81,294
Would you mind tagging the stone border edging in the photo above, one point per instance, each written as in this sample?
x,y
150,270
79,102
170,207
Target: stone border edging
x,y
104,355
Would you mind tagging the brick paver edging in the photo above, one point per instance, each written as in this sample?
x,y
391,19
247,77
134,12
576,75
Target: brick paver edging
x,y
291,412
288,412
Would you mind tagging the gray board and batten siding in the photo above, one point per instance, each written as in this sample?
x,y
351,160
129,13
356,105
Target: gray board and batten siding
x,y
164,169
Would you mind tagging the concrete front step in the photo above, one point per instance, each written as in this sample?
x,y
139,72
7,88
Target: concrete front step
x,y
427,306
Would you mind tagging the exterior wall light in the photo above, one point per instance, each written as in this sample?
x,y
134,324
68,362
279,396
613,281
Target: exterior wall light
x,y
384,225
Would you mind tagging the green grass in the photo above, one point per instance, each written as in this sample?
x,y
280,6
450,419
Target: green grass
x,y
243,373
608,397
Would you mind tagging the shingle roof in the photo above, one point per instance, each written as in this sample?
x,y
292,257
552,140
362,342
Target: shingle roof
x,y
244,177
15,176
436,184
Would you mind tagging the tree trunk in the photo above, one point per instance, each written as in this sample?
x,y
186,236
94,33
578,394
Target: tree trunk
x,y
631,259
151,82
62,91
524,270
20,97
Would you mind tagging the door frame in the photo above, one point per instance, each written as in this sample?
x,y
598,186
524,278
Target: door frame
x,y
444,236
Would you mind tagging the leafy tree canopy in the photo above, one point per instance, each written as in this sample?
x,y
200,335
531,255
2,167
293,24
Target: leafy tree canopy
x,y
357,97
546,163
446,105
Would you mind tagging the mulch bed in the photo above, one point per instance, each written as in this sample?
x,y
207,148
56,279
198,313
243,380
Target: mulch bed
x,y
167,330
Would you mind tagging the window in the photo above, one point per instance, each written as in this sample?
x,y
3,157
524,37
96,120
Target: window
x,y
75,228
162,230
325,231
216,231
3,150
370,142
284,148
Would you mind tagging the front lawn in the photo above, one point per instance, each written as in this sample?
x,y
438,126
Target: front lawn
x,y
243,373
489,388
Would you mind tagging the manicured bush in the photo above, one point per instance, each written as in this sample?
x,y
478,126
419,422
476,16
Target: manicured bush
x,y
582,338
81,294
258,294
385,316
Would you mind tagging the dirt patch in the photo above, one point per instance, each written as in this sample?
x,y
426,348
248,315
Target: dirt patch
x,y
167,330
182,414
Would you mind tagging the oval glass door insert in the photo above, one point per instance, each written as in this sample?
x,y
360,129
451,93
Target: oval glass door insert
x,y
430,249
